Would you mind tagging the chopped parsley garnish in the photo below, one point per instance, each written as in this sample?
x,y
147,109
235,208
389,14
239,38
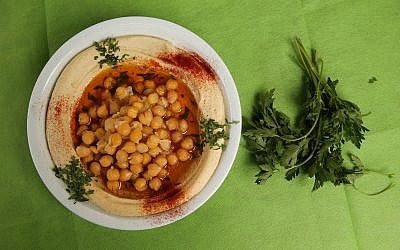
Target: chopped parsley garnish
x,y
212,133
76,178
108,49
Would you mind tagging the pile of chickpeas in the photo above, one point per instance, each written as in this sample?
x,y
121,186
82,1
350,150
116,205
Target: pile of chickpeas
x,y
133,133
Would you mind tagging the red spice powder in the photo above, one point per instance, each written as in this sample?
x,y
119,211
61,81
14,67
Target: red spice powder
x,y
176,198
190,62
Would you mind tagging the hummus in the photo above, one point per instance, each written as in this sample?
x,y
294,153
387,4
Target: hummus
x,y
154,54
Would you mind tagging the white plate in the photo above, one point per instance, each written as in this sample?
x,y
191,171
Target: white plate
x,y
41,93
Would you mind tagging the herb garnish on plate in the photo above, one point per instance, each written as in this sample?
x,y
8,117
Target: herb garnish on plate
x,y
76,178
314,145
107,50
213,132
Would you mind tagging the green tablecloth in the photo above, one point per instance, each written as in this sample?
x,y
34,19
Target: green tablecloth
x,y
358,40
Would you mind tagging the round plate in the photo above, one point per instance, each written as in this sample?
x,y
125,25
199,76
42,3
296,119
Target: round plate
x,y
41,93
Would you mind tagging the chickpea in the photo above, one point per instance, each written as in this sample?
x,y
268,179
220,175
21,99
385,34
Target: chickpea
x,y
172,84
113,186
176,136
99,133
153,152
165,144
172,123
176,107
155,184
101,144
132,112
163,173
136,125
152,98
124,164
114,107
123,110
83,118
146,117
106,161
108,82
129,147
133,98
172,96
121,156
102,111
124,129
125,175
94,149
113,174
136,168
121,92
158,110
183,154
162,133
140,184
153,169
187,143
88,158
126,118
153,141
110,149
157,122
81,129
172,159
109,125
138,105
161,90
163,102
115,140
149,84
146,158
95,168
138,87
88,137
136,158
161,161
136,135
147,131
93,112
82,151
142,148
183,125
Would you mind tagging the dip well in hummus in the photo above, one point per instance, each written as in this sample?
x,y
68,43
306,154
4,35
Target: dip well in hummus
x,y
136,130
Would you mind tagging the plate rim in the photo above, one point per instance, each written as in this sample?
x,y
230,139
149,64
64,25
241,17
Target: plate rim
x,y
42,93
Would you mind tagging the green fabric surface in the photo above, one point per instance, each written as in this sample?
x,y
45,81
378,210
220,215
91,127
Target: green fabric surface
x,y
357,39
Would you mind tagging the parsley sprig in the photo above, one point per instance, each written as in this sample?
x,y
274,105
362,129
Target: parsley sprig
x,y
314,145
107,50
76,179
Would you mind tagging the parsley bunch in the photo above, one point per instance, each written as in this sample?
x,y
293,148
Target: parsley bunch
x,y
314,145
